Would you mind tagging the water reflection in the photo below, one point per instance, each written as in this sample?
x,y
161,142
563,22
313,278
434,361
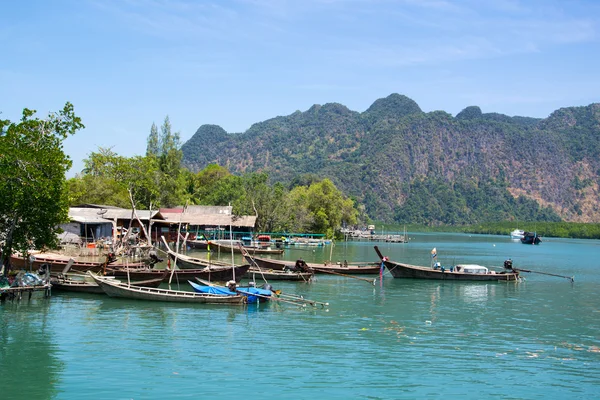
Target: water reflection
x,y
476,293
30,364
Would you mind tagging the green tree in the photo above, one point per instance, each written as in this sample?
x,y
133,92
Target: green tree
x,y
330,208
320,208
107,179
172,181
300,217
152,147
262,200
33,167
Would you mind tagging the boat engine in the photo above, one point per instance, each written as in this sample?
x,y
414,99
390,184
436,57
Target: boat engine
x,y
508,264
231,285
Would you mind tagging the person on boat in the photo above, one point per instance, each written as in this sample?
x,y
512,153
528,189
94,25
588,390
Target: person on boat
x,y
300,266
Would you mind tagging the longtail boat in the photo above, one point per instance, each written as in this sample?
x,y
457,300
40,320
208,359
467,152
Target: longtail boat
x,y
300,265
122,289
75,282
253,294
278,275
226,246
57,262
214,273
464,272
531,238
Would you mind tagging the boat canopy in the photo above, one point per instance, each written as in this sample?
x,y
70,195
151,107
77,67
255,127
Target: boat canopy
x,y
471,269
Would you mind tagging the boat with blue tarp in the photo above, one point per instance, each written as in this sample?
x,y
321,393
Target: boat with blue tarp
x,y
253,294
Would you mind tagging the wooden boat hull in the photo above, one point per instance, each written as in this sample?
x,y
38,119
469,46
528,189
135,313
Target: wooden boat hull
x,y
280,265
120,289
86,284
531,238
76,286
220,274
400,270
272,275
58,262
224,248
197,244
187,262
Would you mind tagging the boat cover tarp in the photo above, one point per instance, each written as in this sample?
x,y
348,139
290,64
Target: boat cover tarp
x,y
224,290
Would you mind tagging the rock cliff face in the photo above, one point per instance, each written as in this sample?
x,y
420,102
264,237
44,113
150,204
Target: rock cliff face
x,y
383,155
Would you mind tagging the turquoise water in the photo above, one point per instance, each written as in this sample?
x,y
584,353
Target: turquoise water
x,y
538,339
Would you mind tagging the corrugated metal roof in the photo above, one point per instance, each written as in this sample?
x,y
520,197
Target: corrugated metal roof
x,y
246,221
95,215
171,210
143,215
87,216
204,210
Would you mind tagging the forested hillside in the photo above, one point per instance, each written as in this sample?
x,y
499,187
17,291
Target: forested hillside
x,y
409,166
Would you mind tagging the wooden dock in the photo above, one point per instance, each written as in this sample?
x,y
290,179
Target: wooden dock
x,y
17,293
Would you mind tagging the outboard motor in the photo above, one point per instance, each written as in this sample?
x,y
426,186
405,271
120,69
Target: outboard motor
x,y
266,286
232,285
508,264
112,257
154,259
43,269
44,272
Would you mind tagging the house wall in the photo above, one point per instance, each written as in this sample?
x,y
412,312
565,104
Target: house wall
x,y
72,227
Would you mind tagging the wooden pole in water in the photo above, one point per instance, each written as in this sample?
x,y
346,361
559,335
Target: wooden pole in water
x,y
331,252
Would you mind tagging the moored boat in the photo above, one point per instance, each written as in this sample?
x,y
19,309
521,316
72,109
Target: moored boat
x,y
253,294
225,246
274,275
121,289
531,238
84,283
461,272
57,262
215,273
302,266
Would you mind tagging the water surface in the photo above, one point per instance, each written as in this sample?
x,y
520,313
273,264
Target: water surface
x,y
538,339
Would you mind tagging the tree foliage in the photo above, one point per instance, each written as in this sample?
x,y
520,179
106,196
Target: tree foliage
x,y
33,167
107,179
156,180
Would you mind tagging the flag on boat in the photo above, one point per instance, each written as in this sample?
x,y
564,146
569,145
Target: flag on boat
x,y
434,253
382,268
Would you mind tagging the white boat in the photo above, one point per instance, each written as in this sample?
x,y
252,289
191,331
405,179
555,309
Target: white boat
x,y
517,234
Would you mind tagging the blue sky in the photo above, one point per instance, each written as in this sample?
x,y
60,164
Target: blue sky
x,y
125,64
